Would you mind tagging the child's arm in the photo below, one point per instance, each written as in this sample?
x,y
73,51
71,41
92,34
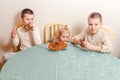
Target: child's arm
x,y
105,47
16,42
89,46
79,38
14,30
76,41
52,39
107,44
36,35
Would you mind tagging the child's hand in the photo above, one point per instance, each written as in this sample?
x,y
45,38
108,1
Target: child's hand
x,y
13,33
86,44
28,27
77,40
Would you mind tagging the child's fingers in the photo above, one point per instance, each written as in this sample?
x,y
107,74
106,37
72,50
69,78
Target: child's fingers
x,y
12,35
86,44
77,41
80,41
74,40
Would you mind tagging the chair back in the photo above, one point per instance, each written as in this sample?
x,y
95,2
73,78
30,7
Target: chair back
x,y
110,32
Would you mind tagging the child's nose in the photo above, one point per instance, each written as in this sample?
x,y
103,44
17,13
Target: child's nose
x,y
30,22
93,26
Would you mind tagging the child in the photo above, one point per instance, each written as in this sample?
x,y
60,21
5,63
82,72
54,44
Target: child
x,y
94,37
63,34
27,35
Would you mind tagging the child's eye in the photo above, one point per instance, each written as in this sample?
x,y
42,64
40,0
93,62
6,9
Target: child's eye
x,y
96,24
28,19
68,37
63,36
90,24
32,19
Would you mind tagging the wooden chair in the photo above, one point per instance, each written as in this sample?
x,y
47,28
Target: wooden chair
x,y
51,29
110,32
16,48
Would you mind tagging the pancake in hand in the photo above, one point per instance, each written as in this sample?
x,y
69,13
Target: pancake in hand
x,y
28,27
57,45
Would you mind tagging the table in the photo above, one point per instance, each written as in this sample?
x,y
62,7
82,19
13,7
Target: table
x,y
72,63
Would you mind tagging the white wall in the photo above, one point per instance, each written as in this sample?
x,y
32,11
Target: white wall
x,y
73,12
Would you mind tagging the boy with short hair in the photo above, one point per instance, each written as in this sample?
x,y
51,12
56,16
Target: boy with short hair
x,y
27,35
94,37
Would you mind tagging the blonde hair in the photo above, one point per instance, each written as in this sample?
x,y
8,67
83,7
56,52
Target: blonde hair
x,y
65,28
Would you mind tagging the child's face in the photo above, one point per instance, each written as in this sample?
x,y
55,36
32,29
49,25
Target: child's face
x,y
28,19
94,25
65,36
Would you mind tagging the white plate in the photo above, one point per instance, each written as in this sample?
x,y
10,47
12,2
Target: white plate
x,y
48,47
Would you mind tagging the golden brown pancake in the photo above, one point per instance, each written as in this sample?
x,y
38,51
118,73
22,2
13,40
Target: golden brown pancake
x,y
57,45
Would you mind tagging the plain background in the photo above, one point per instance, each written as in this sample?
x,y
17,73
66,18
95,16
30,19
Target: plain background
x,y
72,12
